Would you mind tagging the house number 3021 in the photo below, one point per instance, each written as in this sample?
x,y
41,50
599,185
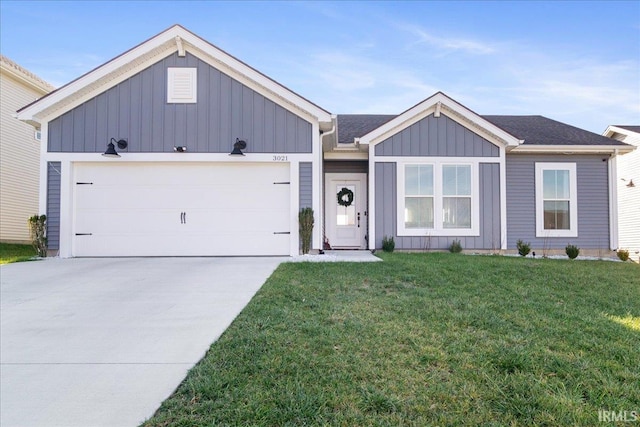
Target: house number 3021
x,y
280,158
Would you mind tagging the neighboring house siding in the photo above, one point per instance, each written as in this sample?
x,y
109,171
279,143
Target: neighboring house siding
x,y
53,205
629,199
346,167
433,136
386,212
306,185
593,201
19,159
137,110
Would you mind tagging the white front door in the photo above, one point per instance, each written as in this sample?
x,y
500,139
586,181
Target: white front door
x,y
346,210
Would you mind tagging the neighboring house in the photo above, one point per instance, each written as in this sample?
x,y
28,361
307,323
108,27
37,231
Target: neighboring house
x,y
218,159
628,183
19,151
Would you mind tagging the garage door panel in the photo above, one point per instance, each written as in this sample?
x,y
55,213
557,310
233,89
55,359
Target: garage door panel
x,y
137,210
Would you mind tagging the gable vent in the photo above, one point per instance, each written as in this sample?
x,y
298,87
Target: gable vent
x,y
181,85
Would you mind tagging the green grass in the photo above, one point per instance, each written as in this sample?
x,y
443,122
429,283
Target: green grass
x,y
10,252
424,339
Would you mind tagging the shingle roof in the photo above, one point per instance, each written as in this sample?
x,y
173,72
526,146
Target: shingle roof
x,y
633,128
539,130
534,130
352,126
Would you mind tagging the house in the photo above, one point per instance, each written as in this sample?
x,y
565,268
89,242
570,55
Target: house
x,y
178,148
19,151
628,186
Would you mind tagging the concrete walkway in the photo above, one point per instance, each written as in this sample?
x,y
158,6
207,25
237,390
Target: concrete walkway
x,y
338,256
102,342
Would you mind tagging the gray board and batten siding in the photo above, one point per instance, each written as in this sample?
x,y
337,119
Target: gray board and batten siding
x,y
386,212
53,206
437,136
593,201
137,110
306,185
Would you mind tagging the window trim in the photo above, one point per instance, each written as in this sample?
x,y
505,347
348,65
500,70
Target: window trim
x,y
573,200
438,229
171,76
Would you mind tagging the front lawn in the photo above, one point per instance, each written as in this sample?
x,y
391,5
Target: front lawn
x,y
10,252
424,339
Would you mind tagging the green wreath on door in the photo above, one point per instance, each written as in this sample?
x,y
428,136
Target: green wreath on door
x,y
345,197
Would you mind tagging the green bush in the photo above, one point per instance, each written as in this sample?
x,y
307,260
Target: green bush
x,y
455,247
388,244
305,218
523,248
623,254
38,229
572,251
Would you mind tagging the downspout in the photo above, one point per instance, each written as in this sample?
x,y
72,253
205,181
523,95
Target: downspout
x,y
612,165
321,163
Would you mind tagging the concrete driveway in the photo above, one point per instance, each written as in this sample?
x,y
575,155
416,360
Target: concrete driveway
x,y
102,342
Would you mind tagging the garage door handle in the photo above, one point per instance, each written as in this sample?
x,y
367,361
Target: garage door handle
x,y
183,217
281,232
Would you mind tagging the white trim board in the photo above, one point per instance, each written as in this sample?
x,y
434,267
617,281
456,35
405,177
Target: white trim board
x,y
150,52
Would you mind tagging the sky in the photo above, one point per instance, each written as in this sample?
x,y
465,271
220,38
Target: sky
x,y
575,62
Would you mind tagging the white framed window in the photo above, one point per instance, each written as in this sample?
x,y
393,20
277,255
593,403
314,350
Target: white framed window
x,y
556,200
37,135
182,87
438,198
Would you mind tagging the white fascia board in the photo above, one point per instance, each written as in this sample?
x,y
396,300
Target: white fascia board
x,y
179,157
35,110
450,108
148,53
615,129
573,149
238,67
25,79
350,155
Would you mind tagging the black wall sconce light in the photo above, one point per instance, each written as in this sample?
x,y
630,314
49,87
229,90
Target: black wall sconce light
x,y
238,147
111,149
178,149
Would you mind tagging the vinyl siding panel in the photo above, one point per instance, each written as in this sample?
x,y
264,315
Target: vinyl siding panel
x,y
592,198
489,205
433,136
306,185
386,208
53,205
136,110
19,162
629,199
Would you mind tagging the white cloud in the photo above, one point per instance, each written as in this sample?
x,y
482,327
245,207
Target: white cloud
x,y
449,43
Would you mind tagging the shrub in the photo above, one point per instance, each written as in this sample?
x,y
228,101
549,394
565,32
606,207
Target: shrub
x,y
455,247
388,244
572,251
37,230
623,254
523,248
305,218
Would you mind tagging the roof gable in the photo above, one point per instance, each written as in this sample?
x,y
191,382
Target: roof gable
x,y
179,39
438,104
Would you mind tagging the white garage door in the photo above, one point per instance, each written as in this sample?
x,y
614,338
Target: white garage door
x,y
186,209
